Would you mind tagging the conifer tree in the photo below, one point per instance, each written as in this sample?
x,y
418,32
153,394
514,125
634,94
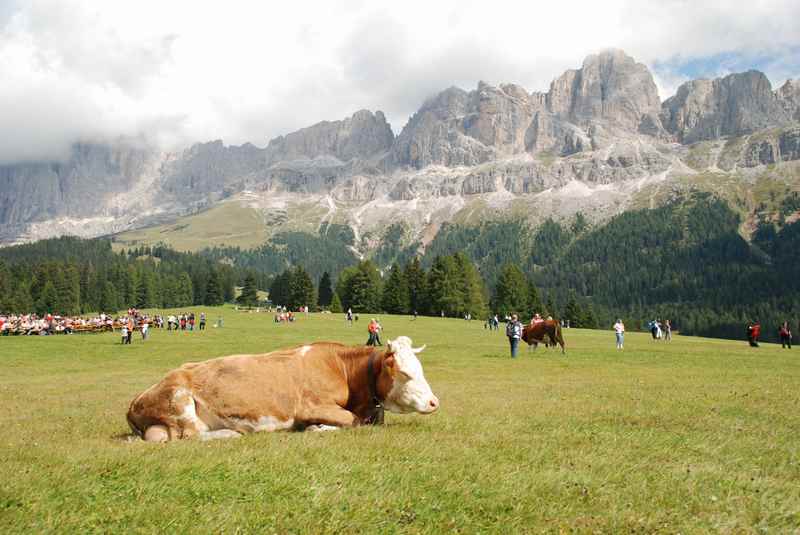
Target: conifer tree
x,y
21,298
249,295
511,291
67,290
148,290
573,312
550,307
214,293
416,281
184,293
395,292
589,320
279,291
5,289
108,298
301,288
534,301
325,290
336,304
445,287
48,299
362,288
471,287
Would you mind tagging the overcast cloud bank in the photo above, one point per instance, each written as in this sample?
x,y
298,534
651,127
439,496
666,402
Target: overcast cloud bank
x,y
178,72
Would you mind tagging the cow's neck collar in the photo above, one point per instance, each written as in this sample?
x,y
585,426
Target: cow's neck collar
x,y
375,413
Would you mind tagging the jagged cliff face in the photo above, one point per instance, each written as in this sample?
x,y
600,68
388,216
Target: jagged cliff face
x,y
610,88
736,105
598,135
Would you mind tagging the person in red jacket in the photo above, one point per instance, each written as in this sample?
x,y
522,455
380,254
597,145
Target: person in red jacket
x,y
753,332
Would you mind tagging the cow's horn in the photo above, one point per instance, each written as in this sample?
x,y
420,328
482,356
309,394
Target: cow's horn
x,y
419,349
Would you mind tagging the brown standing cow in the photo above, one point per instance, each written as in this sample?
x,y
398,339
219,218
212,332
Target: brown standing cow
x,y
534,334
323,385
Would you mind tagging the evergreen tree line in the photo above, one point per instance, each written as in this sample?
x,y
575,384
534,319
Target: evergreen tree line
x,y
327,251
74,276
452,286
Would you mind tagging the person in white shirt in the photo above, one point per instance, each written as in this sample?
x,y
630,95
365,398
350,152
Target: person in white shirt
x,y
619,329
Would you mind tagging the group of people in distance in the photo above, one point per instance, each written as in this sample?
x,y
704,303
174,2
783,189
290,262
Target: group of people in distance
x,y
283,315
186,322
660,330
138,321
784,333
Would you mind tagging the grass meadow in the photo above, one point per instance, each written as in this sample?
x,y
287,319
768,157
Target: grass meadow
x,y
693,436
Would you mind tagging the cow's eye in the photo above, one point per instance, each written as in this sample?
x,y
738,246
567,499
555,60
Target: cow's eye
x,y
405,375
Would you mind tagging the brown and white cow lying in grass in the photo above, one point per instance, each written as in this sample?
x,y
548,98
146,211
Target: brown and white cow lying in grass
x,y
325,385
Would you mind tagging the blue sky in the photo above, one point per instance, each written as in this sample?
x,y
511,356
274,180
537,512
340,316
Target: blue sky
x,y
777,67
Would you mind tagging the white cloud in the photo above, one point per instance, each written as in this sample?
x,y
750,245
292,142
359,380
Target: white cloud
x,y
248,71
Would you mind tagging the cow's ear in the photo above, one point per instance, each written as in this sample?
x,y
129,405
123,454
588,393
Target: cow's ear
x,y
391,364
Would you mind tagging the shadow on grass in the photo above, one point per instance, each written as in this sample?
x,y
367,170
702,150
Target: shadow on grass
x,y
504,356
125,437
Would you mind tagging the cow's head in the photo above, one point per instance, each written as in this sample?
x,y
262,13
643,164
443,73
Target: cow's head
x,y
410,392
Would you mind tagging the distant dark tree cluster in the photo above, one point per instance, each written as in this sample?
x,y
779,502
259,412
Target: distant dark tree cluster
x,y
451,286
293,288
74,276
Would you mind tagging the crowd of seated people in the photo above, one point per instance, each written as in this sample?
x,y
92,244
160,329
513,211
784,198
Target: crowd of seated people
x,y
49,324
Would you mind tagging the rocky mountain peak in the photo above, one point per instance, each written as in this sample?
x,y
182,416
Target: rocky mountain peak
x,y
789,95
736,104
361,136
600,124
610,87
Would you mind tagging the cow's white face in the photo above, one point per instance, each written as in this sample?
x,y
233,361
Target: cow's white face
x,y
410,391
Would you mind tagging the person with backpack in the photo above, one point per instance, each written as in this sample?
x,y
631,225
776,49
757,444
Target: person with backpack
x,y
514,334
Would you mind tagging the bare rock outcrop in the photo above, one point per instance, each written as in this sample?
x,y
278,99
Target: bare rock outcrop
x,y
459,128
587,107
77,187
789,96
735,105
364,135
610,87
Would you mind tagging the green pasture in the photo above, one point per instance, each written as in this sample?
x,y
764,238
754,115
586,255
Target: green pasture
x,y
691,436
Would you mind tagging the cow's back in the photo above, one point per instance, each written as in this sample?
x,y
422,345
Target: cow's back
x,y
244,393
